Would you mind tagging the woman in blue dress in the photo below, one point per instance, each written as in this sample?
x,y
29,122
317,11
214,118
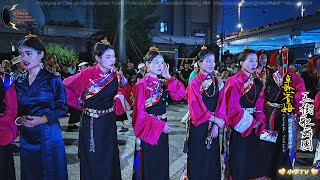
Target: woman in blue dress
x,y
41,101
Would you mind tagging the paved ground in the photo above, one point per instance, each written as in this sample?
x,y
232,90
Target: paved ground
x,y
176,138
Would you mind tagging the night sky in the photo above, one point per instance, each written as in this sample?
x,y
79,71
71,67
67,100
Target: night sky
x,y
253,17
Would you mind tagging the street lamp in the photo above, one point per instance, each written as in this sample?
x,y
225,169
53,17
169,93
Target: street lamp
x,y
239,25
302,8
239,13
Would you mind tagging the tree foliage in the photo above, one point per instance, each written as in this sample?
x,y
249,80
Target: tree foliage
x,y
64,56
139,21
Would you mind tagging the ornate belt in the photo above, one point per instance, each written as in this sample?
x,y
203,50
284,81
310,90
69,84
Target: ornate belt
x,y
250,110
97,113
276,105
163,116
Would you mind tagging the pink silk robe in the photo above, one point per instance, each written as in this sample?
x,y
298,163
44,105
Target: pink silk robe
x,y
197,109
234,112
75,85
8,128
147,127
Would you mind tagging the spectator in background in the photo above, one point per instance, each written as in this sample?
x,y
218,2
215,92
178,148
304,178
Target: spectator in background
x,y
130,70
17,67
133,80
230,68
180,68
194,72
73,69
54,71
217,68
222,64
175,73
64,73
142,71
130,73
83,65
6,65
46,62
1,67
304,67
54,62
48,67
224,74
185,73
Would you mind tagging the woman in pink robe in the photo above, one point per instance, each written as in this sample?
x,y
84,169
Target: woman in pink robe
x,y
8,129
243,95
204,101
97,91
149,118
316,162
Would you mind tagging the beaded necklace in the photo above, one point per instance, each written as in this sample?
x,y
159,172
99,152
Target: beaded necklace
x,y
206,84
247,87
254,98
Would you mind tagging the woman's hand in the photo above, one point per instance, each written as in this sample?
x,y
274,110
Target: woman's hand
x,y
214,131
218,121
23,121
165,72
167,128
34,120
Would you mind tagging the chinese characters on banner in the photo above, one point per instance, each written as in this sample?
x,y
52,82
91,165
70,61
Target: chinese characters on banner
x,y
287,109
306,109
288,93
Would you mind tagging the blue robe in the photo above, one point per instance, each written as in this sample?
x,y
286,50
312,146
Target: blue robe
x,y
42,149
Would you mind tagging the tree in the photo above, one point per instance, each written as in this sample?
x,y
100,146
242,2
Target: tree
x,y
64,56
139,22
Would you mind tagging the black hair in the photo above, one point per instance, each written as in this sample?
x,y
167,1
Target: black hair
x,y
150,55
34,43
244,54
99,48
203,53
